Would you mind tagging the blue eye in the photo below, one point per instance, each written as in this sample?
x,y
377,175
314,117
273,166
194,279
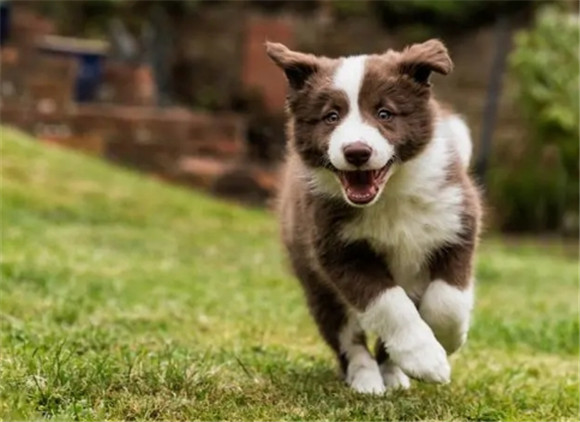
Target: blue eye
x,y
384,114
332,117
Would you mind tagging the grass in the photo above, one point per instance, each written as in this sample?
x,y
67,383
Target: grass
x,y
124,298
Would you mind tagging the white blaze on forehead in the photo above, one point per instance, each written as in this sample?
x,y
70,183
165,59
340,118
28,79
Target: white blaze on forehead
x,y
349,77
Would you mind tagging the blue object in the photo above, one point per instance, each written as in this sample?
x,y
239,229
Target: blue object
x,y
4,21
89,69
89,76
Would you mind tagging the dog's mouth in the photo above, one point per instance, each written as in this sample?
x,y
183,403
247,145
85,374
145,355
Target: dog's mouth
x,y
362,186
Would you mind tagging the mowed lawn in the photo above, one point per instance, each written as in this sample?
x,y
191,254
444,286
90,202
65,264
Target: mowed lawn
x,y
125,298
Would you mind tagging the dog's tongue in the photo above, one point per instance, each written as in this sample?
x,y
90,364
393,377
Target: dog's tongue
x,y
359,186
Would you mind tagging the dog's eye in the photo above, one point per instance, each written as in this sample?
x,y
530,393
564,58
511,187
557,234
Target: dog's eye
x,y
332,118
384,114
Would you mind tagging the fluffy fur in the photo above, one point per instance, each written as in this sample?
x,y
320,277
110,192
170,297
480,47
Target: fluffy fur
x,y
384,245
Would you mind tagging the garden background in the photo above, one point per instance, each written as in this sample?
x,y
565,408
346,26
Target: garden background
x,y
142,277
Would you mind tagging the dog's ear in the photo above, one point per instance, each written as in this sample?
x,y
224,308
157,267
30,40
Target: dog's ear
x,y
298,67
419,60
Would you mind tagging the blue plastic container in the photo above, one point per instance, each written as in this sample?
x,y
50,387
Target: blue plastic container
x,y
89,76
89,69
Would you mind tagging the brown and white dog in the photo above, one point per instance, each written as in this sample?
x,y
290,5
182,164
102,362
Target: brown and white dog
x,y
379,215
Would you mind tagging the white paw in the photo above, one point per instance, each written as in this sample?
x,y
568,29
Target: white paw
x,y
447,310
409,341
365,378
421,356
393,377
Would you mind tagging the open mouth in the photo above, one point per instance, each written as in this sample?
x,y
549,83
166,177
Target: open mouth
x,y
362,186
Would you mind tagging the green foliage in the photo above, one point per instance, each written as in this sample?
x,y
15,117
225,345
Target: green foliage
x,y
91,18
444,15
350,8
545,63
541,190
126,299
445,8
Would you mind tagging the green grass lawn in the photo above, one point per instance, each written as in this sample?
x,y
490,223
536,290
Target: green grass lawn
x,y
124,298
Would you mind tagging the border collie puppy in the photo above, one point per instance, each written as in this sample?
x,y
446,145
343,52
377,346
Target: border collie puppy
x,y
379,215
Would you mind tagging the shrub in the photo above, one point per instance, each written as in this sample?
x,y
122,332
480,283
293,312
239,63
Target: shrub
x,y
445,15
541,190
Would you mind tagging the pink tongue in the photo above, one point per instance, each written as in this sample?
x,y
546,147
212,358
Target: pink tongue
x,y
359,186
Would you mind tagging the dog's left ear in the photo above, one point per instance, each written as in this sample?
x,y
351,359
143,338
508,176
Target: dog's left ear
x,y
297,67
419,60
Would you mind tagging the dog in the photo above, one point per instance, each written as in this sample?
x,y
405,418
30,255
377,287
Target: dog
x,y
379,216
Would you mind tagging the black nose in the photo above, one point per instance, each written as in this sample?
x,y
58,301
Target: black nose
x,y
357,153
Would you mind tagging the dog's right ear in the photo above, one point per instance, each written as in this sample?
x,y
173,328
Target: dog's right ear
x,y
297,67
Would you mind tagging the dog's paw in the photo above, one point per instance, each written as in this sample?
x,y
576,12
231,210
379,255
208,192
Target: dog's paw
x,y
365,378
447,311
422,357
393,377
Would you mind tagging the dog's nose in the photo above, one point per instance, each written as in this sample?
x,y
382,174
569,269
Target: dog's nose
x,y
357,153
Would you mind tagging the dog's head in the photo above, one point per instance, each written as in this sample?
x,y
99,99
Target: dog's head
x,y
361,117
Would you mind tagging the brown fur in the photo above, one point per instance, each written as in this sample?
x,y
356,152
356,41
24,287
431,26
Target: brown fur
x,y
336,274
454,263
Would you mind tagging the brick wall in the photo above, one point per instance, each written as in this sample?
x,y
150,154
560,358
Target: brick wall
x,y
191,147
127,84
223,49
258,71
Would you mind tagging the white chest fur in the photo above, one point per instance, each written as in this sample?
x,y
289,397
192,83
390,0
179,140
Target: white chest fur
x,y
418,212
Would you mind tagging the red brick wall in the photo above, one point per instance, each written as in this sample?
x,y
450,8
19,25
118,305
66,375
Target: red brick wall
x,y
127,84
258,71
225,47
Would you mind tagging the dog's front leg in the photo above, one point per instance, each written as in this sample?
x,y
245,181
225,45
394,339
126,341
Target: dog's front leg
x,y
447,309
363,280
447,303
409,341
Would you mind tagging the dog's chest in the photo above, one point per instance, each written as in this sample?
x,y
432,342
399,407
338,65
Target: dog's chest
x,y
405,230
